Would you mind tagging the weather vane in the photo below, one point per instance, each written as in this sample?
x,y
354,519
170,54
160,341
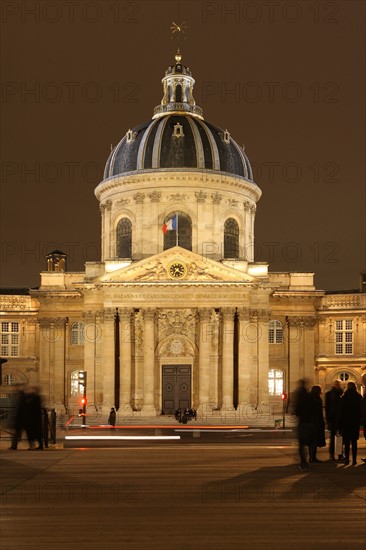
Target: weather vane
x,y
178,29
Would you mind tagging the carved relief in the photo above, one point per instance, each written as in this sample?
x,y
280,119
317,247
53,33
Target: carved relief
x,y
155,196
216,198
139,198
215,332
201,270
176,347
201,196
156,271
138,336
233,202
178,197
122,202
177,321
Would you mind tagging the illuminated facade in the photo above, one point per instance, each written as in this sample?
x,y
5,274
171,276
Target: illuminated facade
x,y
177,313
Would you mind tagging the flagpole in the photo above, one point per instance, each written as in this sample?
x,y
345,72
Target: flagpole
x,y
176,232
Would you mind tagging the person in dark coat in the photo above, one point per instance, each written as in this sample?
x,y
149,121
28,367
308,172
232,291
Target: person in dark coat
x,y
363,416
332,408
350,420
32,420
303,411
17,420
318,424
112,417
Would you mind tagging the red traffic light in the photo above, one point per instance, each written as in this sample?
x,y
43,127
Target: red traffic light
x,y
283,396
83,400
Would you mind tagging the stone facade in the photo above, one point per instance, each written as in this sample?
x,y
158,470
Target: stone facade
x,y
160,323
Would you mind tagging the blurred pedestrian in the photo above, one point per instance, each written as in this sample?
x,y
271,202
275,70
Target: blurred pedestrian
x,y
16,420
32,420
350,420
112,418
318,424
363,416
332,408
303,412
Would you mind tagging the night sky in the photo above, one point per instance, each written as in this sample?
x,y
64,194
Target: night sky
x,y
287,79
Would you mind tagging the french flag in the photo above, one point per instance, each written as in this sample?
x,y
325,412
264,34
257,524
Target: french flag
x,y
170,225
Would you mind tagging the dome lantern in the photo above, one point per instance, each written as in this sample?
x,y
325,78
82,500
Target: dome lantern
x,y
178,91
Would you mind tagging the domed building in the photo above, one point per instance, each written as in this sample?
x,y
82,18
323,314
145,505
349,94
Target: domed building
x,y
177,313
178,165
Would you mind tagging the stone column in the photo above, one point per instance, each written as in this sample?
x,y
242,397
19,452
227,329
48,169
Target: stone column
x,y
44,359
214,362
91,337
217,234
295,337
108,359
309,324
149,363
59,383
125,358
263,317
154,235
204,356
247,348
251,238
107,252
140,228
227,357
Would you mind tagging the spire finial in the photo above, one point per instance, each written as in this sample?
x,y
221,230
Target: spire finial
x,y
178,56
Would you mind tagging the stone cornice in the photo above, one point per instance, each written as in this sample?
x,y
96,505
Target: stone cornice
x,y
165,178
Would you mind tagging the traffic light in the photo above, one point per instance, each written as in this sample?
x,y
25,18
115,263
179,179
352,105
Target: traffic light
x,y
82,377
283,396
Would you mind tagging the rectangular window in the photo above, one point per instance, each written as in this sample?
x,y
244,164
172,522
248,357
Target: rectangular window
x,y
344,337
10,339
77,333
275,332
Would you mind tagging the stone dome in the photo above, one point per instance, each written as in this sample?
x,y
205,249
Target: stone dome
x,y
177,137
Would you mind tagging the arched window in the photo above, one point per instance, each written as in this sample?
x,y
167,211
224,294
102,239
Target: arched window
x,y
124,239
77,333
231,239
178,231
178,93
275,334
275,382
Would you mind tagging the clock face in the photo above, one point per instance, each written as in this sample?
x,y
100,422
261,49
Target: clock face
x,y
177,269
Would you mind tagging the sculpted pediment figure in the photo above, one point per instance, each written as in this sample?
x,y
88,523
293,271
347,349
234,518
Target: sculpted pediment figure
x,y
176,264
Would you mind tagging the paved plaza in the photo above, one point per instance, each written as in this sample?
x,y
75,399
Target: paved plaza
x,y
155,496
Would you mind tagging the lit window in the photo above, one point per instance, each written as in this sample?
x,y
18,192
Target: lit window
x,y
10,339
344,337
275,382
275,333
77,333
76,389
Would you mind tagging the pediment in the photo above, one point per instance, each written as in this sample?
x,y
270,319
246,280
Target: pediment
x,y
176,265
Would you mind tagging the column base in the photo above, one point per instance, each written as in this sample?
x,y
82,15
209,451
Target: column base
x,y
148,410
